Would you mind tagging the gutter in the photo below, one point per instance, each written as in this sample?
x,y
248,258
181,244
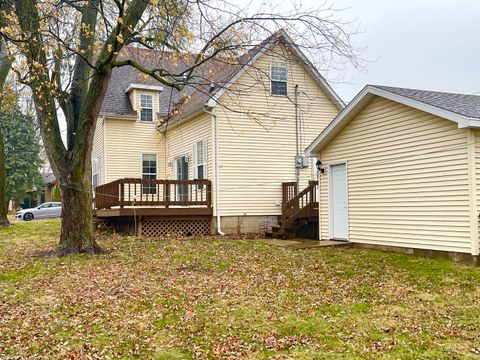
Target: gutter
x,y
207,108
169,126
118,116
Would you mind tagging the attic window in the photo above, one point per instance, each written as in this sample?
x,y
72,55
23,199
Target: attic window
x,y
278,77
146,105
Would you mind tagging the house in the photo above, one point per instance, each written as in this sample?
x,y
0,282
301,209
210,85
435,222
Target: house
x,y
222,153
400,169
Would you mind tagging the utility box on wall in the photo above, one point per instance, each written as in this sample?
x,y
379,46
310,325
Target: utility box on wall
x,y
301,162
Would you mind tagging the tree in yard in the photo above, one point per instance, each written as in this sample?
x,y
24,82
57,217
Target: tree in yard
x,y
5,64
68,49
22,149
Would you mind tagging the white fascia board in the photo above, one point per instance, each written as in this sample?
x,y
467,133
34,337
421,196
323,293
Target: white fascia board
x,y
119,116
319,142
336,121
143,87
316,74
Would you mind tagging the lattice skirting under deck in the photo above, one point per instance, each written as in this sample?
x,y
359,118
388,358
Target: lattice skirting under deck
x,y
174,227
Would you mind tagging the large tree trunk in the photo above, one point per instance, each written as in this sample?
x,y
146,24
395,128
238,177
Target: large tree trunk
x,y
5,64
77,214
3,195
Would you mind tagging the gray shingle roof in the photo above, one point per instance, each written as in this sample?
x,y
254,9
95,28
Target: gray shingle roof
x,y
466,105
175,104
218,70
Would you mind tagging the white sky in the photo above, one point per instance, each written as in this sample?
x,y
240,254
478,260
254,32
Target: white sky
x,y
423,44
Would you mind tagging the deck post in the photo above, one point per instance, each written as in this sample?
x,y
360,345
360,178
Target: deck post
x,y
166,194
209,194
122,192
139,227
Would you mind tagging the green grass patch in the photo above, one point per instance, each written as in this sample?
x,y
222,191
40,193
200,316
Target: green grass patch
x,y
239,299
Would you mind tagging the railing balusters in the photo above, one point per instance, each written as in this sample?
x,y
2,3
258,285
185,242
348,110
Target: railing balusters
x,y
124,192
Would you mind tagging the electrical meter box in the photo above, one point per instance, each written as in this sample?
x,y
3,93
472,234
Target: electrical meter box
x,y
301,162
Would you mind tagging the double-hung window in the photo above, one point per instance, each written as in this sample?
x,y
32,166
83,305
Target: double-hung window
x,y
278,77
95,172
149,172
146,107
200,160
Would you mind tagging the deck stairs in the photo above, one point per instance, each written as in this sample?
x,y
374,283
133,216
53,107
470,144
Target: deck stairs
x,y
298,210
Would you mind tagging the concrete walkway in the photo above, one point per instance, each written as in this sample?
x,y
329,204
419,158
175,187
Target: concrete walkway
x,y
303,243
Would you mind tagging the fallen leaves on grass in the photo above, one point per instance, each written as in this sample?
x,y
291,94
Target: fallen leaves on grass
x,y
228,299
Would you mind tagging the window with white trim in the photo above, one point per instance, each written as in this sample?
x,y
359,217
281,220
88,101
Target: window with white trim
x,y
278,78
200,160
146,107
95,172
149,172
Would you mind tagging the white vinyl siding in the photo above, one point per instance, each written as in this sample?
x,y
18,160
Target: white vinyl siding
x,y
126,140
98,149
95,172
407,179
257,141
180,141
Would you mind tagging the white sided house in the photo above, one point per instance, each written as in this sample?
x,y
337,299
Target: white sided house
x,y
400,169
219,156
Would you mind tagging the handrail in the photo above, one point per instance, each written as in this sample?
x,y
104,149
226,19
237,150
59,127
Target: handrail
x,y
153,192
297,205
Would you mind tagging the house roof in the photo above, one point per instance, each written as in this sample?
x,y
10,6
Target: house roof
x,y
460,108
48,178
177,105
462,104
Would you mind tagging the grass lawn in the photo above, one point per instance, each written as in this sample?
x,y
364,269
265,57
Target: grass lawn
x,y
230,299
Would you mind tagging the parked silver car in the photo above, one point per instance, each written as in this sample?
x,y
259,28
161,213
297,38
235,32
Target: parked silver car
x,y
46,210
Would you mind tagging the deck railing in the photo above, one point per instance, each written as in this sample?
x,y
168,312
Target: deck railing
x,y
143,192
298,204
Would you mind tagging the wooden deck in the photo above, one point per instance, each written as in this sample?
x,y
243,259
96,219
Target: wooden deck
x,y
155,208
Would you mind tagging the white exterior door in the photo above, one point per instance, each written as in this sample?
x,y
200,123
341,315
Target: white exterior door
x,y
338,202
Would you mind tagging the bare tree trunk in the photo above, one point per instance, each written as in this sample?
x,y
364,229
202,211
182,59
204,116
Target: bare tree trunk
x,y
77,215
5,64
3,194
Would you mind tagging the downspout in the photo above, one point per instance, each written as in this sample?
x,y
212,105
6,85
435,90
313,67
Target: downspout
x,y
208,110
297,167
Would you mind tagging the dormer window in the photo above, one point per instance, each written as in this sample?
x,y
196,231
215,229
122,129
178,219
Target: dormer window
x,y
146,107
278,77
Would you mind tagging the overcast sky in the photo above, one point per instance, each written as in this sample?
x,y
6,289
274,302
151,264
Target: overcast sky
x,y
423,44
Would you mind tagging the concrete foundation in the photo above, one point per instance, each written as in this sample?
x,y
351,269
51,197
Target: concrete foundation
x,y
245,224
434,254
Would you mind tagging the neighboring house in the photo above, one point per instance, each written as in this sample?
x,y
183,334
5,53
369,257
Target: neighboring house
x,y
402,170
39,195
236,127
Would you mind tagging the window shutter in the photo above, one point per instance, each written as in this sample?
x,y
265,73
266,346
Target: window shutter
x,y
205,159
195,161
200,158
